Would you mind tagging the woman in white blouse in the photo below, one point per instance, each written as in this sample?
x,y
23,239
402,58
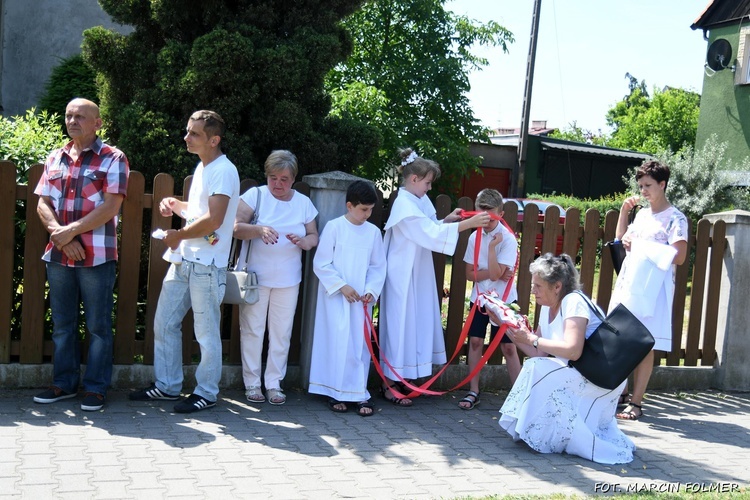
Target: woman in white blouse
x,y
552,407
285,226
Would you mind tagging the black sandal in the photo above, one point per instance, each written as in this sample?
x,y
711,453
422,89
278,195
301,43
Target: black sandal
x,y
472,398
630,414
363,405
332,403
393,399
624,399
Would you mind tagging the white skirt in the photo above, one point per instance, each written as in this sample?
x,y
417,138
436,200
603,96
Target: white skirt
x,y
554,409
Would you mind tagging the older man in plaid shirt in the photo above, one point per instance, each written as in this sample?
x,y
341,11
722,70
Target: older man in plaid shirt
x,y
80,194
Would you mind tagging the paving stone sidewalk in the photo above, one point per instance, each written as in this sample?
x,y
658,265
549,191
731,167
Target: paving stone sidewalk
x,y
692,441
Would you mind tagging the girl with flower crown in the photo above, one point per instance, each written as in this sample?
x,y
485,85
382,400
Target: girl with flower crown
x,y
411,333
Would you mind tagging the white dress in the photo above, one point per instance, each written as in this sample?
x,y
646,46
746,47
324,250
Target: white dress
x,y
666,228
411,332
348,254
554,409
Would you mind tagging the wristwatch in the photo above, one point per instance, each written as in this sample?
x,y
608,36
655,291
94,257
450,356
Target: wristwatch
x,y
535,343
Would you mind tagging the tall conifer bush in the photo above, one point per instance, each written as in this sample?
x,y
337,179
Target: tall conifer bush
x,y
259,63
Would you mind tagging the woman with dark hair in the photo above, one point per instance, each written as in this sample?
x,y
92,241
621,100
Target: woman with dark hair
x,y
552,407
656,242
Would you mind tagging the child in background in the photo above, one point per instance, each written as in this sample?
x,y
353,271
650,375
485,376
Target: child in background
x,y
411,333
350,264
498,253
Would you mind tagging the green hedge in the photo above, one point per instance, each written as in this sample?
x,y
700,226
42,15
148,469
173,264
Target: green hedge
x,y
603,204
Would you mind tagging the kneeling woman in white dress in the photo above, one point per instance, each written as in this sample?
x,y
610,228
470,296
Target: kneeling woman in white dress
x,y
552,407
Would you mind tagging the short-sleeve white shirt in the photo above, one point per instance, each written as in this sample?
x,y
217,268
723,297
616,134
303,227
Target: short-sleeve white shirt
x,y
219,177
572,305
278,265
505,253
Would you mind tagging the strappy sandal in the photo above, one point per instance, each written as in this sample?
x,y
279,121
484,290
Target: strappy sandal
x,y
276,396
629,412
472,398
337,406
255,395
384,391
361,406
624,399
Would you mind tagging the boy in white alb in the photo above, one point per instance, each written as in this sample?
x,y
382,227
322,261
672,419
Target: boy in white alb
x,y
491,274
200,279
350,263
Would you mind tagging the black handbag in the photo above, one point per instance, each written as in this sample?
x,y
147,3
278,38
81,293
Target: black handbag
x,y
616,250
614,349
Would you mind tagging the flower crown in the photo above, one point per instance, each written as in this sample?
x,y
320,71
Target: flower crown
x,y
409,159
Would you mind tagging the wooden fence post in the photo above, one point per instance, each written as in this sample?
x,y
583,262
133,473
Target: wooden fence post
x,y
129,265
34,276
7,253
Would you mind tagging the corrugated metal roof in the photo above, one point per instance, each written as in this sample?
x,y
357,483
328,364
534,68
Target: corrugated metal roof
x,y
719,12
591,149
735,177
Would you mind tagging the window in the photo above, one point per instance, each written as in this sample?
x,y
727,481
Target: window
x,y
742,74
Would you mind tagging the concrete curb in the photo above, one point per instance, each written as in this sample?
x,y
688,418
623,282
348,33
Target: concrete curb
x,y
493,377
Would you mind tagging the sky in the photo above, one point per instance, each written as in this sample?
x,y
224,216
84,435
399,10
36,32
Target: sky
x,y
584,50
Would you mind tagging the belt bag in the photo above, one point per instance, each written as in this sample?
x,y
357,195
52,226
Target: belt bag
x,y
242,288
615,348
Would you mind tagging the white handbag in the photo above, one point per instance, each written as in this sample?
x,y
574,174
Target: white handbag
x,y
242,288
242,285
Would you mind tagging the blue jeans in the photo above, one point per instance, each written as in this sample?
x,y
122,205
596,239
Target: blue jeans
x,y
201,287
67,287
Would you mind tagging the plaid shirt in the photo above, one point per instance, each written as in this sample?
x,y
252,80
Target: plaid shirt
x,y
76,188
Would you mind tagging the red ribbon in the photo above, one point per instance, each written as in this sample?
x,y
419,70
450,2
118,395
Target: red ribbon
x,y
424,388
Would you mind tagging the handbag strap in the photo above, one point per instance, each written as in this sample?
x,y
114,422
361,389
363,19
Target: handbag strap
x,y
633,212
594,308
253,220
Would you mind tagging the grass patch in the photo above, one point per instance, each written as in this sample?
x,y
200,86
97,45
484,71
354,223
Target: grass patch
x,y
692,491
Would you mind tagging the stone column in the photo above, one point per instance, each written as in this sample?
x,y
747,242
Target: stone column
x,y
328,194
733,332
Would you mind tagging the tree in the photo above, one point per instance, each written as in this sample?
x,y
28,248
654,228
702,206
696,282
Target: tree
x,y
71,78
697,182
408,76
260,64
575,133
666,121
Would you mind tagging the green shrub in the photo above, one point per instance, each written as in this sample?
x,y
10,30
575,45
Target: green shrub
x,y
26,140
71,78
603,204
260,65
696,184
